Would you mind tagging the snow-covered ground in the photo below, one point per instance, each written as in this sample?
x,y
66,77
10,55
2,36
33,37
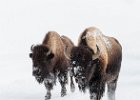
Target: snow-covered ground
x,y
23,23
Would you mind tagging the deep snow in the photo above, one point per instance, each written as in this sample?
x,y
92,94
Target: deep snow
x,y
23,23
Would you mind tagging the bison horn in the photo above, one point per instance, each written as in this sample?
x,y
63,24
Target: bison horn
x,y
48,53
32,47
66,53
95,56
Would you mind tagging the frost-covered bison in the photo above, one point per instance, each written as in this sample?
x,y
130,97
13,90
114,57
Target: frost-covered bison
x,y
49,61
96,61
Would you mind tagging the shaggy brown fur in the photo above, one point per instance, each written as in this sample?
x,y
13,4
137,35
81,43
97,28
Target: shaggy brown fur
x,y
54,42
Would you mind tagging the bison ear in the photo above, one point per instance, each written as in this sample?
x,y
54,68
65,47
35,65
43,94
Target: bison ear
x,y
32,47
50,56
31,55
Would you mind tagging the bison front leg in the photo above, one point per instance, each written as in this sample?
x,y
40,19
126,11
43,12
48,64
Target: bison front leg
x,y
63,79
96,91
111,89
49,86
72,86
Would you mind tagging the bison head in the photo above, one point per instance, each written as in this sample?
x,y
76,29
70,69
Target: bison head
x,y
82,60
41,57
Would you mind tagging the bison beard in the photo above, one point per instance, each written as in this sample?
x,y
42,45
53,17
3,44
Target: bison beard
x,y
51,77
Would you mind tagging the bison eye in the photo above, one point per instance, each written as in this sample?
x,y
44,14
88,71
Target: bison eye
x,y
31,55
50,56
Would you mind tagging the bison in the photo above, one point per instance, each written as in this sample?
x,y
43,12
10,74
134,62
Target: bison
x,y
49,62
96,61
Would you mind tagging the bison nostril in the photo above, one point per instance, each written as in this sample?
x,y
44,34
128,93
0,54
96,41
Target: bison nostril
x,y
36,73
83,79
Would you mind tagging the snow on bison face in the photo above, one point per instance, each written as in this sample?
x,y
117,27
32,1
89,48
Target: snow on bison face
x,y
81,61
41,58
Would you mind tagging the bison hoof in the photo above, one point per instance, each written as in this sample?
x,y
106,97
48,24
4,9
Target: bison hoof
x,y
48,96
63,92
72,88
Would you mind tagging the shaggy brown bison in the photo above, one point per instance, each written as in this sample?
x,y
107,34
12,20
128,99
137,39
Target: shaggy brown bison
x,y
96,61
49,61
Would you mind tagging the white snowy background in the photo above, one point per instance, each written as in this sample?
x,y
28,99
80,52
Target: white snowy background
x,y
25,22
